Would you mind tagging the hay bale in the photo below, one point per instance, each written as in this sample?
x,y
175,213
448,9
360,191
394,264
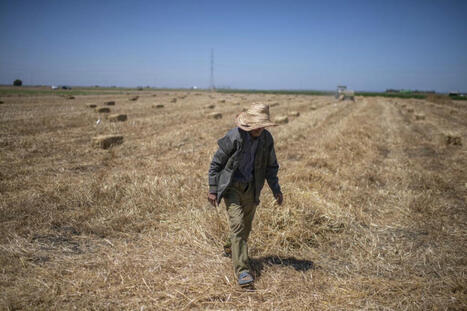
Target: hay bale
x,y
91,105
158,106
453,139
410,110
294,114
210,106
173,100
214,115
107,141
110,103
133,99
419,117
118,117
102,110
281,119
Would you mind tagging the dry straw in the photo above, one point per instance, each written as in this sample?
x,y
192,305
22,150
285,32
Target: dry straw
x,y
102,110
118,117
453,139
281,119
107,141
214,115
373,215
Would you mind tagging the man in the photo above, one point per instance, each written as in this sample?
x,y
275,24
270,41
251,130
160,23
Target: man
x,y
239,168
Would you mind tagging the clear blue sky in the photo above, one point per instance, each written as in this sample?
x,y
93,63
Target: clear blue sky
x,y
367,45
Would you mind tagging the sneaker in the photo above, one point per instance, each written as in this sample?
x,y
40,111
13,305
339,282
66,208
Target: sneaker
x,y
245,279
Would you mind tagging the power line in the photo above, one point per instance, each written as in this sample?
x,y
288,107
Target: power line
x,y
211,83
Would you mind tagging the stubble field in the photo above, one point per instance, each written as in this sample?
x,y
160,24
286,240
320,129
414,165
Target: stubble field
x,y
374,214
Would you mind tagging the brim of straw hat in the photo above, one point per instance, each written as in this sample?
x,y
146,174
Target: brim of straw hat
x,y
242,122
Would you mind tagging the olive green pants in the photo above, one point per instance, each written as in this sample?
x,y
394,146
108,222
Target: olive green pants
x,y
239,199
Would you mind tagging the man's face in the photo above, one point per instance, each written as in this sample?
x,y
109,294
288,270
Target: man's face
x,y
257,132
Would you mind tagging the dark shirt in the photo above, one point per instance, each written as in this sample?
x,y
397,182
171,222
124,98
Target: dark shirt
x,y
244,173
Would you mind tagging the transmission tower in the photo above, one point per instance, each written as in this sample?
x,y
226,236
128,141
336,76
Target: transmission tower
x,y
211,83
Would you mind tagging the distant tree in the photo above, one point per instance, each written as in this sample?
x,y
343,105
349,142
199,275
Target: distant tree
x,y
17,82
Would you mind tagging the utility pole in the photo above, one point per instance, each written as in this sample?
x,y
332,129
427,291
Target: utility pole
x,y
211,83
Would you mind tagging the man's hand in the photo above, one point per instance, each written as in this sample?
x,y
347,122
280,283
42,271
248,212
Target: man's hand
x,y
212,198
279,198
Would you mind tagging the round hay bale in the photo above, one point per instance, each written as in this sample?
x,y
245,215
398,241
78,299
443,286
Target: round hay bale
x,y
102,110
107,141
133,99
91,105
118,117
158,106
110,103
419,117
294,114
281,119
210,106
214,115
173,100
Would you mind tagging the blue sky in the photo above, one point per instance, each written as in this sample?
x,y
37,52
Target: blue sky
x,y
367,45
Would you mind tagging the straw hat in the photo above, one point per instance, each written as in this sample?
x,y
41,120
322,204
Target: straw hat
x,y
255,117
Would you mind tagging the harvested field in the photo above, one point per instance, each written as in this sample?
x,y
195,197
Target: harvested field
x,y
374,214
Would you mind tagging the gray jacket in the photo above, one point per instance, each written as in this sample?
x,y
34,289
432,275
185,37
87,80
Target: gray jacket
x,y
226,161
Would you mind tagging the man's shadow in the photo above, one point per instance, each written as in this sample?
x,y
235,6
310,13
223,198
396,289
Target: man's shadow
x,y
258,264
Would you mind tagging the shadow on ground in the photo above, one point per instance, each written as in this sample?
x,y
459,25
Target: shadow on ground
x,y
257,264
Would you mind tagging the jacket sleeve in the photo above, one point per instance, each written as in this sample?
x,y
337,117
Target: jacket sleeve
x,y
223,153
272,168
